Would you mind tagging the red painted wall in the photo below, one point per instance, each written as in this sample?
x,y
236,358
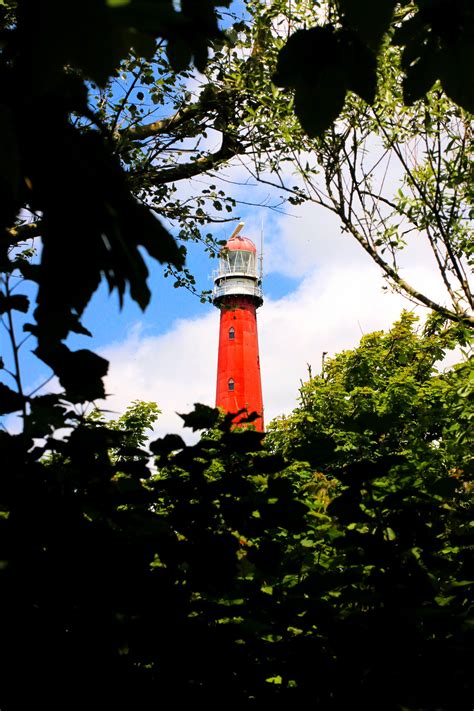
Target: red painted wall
x,y
239,359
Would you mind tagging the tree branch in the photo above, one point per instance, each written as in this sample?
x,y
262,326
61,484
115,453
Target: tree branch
x,y
229,149
400,283
140,132
210,100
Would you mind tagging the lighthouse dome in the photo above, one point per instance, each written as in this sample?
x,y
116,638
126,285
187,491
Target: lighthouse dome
x,y
241,244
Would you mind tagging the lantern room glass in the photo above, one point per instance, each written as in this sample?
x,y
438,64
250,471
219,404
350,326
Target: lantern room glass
x,y
238,261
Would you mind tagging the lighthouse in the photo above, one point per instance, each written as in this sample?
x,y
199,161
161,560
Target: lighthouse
x,y
238,294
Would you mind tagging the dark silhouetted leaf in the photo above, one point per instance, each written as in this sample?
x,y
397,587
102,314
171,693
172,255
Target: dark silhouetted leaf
x,y
108,228
361,66
369,18
321,64
167,444
16,302
10,401
252,417
356,473
202,417
457,83
179,53
306,55
346,508
10,162
46,415
420,77
318,106
79,372
243,441
269,464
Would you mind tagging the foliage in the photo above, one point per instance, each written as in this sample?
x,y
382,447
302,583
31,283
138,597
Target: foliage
x,y
392,438
381,400
323,63
139,417
213,573
128,586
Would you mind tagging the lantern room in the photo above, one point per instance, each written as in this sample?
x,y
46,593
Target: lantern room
x,y
239,256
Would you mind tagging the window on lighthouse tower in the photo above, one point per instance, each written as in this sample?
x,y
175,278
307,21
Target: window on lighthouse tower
x,y
231,333
231,384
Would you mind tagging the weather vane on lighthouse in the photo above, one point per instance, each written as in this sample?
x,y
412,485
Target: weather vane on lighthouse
x,y
238,293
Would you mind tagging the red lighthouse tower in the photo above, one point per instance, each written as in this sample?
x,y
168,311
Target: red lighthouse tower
x,y
238,294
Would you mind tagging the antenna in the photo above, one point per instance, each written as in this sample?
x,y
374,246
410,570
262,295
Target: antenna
x,y
261,251
237,230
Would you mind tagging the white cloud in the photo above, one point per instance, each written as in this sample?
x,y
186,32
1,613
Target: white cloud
x,y
175,369
330,311
297,245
